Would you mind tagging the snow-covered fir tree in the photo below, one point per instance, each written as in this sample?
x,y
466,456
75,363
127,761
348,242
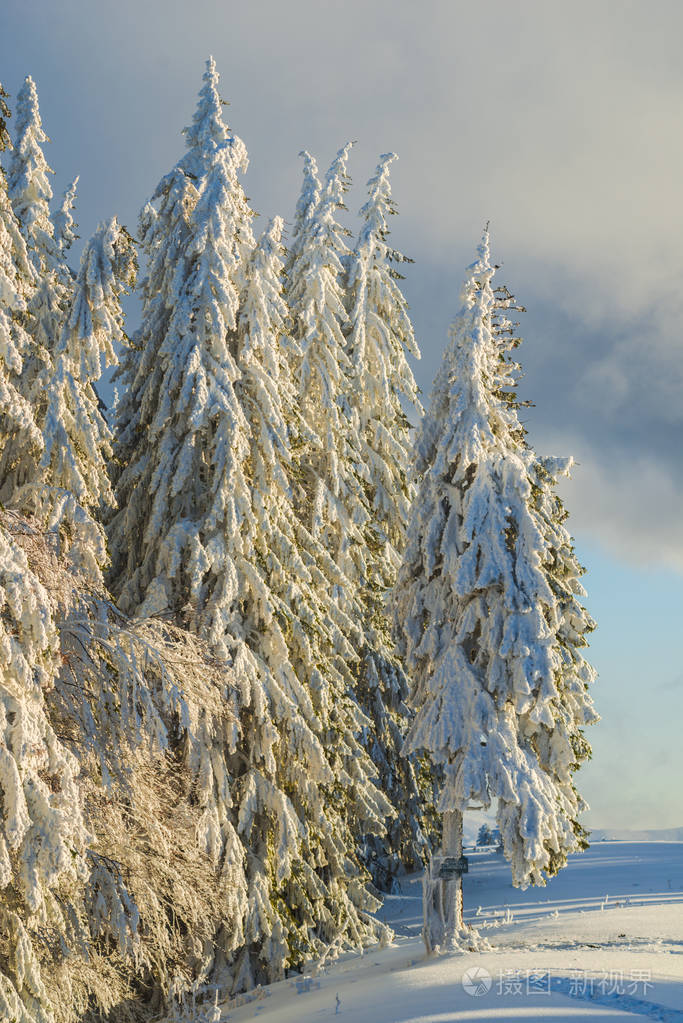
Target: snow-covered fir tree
x,y
295,633
28,178
178,377
30,194
20,440
105,727
336,506
563,747
74,489
5,114
207,534
64,223
330,492
42,832
484,835
380,335
477,614
307,203
180,437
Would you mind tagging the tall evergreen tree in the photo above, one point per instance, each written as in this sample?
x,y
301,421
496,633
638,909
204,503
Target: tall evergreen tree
x,y
296,639
379,336
42,832
562,748
28,179
180,440
207,534
74,489
307,203
30,194
65,225
179,378
335,499
477,615
330,493
20,440
562,745
5,115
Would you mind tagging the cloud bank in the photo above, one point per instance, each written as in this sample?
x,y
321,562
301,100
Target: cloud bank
x,y
557,123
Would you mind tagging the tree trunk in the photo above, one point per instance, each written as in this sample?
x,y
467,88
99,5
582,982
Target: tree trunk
x,y
452,888
443,926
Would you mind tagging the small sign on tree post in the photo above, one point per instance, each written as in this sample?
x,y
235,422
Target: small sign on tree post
x,y
453,866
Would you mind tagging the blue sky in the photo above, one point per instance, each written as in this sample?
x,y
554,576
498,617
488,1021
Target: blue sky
x,y
560,124
634,778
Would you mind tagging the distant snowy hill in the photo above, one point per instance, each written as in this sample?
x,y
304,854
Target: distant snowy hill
x,y
625,835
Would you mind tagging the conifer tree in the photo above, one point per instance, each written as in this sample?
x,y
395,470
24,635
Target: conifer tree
x,y
180,438
562,748
379,336
295,637
42,832
74,489
65,225
477,615
28,180
20,440
484,835
316,294
308,200
5,114
329,462
30,194
207,534
179,379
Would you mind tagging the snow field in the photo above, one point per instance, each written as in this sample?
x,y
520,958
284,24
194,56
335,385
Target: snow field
x,y
602,941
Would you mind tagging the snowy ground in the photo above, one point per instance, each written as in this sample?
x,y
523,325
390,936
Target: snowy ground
x,y
603,941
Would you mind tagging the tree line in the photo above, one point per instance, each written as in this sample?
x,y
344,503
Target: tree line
x,y
258,632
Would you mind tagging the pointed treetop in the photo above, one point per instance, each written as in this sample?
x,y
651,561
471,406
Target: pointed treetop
x,y
460,391
28,110
382,171
65,225
307,204
27,179
310,189
95,325
324,225
480,272
264,310
380,181
336,178
208,130
477,287
271,237
5,114
378,206
484,247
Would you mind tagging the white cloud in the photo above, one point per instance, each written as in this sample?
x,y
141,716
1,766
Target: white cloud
x,y
558,122
631,506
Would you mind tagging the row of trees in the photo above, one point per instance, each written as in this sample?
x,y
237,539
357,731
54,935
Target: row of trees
x,y
195,608
253,493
